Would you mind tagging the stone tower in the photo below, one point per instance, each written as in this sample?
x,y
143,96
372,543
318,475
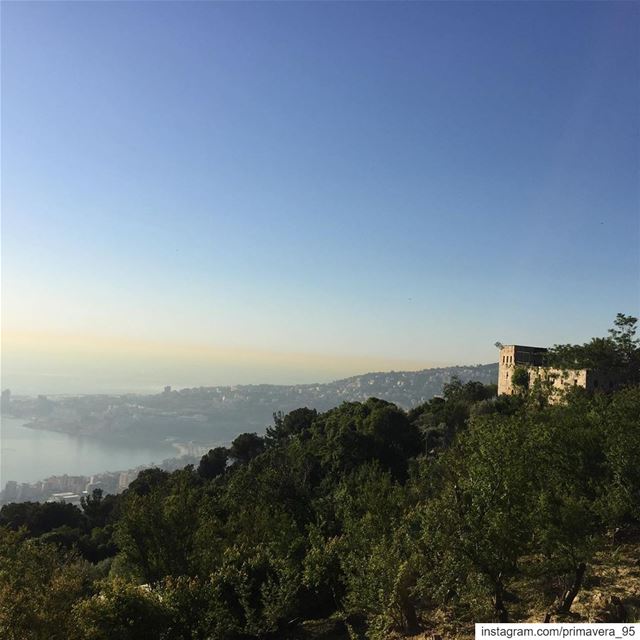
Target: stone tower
x,y
512,356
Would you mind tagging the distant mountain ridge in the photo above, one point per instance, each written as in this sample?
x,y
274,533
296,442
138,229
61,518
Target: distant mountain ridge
x,y
407,389
221,412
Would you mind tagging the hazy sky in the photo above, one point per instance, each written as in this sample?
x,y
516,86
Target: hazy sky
x,y
208,193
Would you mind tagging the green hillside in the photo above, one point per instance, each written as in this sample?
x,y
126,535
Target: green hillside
x,y
362,521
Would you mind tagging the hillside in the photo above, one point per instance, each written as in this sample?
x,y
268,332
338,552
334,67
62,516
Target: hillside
x,y
218,413
407,389
363,521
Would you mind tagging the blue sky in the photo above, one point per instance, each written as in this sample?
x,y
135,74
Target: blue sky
x,y
326,186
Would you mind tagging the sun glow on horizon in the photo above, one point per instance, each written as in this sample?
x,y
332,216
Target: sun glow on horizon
x,y
116,362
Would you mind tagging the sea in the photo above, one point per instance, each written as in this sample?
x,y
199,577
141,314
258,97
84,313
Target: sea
x,y
29,455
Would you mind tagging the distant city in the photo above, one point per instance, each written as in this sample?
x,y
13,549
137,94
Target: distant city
x,y
71,489
196,419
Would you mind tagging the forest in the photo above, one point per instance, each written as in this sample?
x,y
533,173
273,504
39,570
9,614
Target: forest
x,y
364,521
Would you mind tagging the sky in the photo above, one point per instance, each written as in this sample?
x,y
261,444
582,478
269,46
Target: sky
x,y
224,193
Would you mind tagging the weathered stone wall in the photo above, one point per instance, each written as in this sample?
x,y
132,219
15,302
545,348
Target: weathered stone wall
x,y
559,380
506,365
512,356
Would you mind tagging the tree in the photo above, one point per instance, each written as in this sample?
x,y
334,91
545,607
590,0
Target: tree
x,y
121,610
566,473
213,463
440,419
148,480
41,518
39,585
618,354
376,550
158,532
98,508
623,335
520,379
246,447
563,519
268,583
294,423
619,499
355,433
479,520
627,345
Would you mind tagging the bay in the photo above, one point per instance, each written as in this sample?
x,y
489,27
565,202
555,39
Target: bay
x,y
29,455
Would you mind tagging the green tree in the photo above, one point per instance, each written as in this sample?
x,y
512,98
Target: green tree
x,y
441,418
39,585
213,463
376,551
619,499
39,518
294,423
257,591
617,354
120,610
479,521
157,532
99,509
148,480
355,433
246,447
568,463
520,379
623,335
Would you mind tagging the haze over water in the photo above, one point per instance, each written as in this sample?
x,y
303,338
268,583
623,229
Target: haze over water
x,y
29,455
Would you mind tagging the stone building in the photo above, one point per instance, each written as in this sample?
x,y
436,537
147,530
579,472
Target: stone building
x,y
533,360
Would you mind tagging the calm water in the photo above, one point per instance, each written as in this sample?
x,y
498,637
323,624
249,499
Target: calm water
x,y
28,455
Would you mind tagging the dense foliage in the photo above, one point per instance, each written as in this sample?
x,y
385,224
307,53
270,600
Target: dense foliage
x,y
365,512
617,354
